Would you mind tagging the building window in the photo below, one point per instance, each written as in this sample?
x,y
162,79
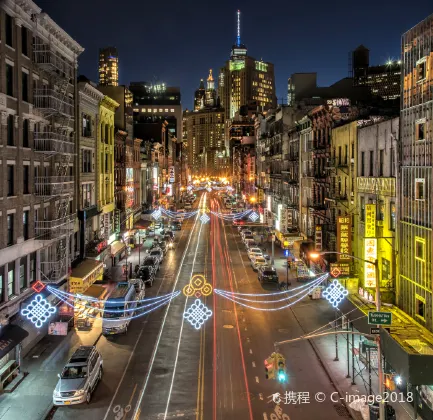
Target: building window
x,y
419,189
362,209
420,306
371,163
32,267
87,126
381,210
26,225
11,277
10,180
362,163
1,285
9,31
25,86
10,227
10,130
87,161
419,248
26,133
26,181
9,80
381,156
392,216
386,269
24,41
421,70
23,276
420,130
86,195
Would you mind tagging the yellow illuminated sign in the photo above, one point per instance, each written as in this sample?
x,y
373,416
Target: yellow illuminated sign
x,y
198,286
343,238
370,220
370,252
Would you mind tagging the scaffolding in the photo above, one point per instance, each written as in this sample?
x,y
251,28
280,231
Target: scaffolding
x,y
56,144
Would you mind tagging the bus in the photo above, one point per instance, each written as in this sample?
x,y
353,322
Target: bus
x,y
122,298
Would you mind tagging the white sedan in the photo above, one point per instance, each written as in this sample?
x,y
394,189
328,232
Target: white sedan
x,y
257,262
254,252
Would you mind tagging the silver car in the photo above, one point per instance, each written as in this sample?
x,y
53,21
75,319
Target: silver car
x,y
79,377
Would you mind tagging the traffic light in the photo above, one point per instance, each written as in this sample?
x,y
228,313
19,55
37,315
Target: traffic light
x,y
270,368
281,367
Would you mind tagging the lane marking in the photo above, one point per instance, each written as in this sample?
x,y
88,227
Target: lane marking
x,y
254,364
129,402
257,379
251,352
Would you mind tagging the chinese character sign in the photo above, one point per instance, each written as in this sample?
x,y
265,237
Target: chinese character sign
x,y
260,196
370,253
171,174
318,238
370,220
344,244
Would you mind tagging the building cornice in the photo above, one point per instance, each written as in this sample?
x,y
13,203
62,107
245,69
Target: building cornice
x,y
109,103
92,94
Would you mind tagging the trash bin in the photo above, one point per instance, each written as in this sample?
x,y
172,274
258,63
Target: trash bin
x,y
374,411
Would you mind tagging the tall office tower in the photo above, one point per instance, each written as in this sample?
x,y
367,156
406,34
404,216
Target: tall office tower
x,y
210,100
245,81
383,79
38,142
108,67
199,96
416,180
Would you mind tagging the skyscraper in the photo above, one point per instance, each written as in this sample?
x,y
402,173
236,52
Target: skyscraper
x,y
199,96
245,81
108,67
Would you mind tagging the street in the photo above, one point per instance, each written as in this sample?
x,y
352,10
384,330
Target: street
x,y
164,368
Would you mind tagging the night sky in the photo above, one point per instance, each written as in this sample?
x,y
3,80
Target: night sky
x,y
176,41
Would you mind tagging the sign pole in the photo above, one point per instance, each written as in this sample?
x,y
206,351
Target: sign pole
x,y
379,352
273,249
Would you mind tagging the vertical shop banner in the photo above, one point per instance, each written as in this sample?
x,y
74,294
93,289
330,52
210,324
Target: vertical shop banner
x,y
370,220
289,217
171,175
370,252
318,238
260,196
343,238
283,219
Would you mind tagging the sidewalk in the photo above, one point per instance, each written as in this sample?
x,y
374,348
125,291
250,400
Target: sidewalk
x,y
32,398
314,314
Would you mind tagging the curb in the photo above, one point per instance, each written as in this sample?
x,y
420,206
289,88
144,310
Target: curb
x,y
50,411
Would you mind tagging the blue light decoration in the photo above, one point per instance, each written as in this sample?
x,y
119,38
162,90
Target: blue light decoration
x,y
335,293
197,314
253,216
286,253
204,218
209,189
189,188
38,311
157,214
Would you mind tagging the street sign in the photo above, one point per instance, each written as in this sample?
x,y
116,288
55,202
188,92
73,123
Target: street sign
x,y
374,330
343,268
379,318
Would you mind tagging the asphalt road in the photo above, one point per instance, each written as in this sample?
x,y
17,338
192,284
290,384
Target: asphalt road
x,y
164,368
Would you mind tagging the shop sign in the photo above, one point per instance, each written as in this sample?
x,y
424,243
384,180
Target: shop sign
x,y
101,246
171,174
343,238
260,196
318,238
343,269
58,328
289,217
370,252
370,220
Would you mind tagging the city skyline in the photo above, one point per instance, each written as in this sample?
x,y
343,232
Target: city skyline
x,y
193,58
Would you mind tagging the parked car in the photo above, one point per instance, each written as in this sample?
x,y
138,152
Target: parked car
x,y
257,262
176,225
168,234
267,274
188,206
79,377
250,243
247,237
157,253
254,252
163,245
151,261
146,274
246,232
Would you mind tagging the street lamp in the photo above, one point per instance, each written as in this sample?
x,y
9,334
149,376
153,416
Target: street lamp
x,y
317,255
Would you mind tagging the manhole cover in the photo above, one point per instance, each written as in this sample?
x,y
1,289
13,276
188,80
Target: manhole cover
x,y
283,330
228,326
160,371
342,410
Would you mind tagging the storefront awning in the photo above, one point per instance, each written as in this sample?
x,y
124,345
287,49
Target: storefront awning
x,y
11,336
117,247
96,291
84,275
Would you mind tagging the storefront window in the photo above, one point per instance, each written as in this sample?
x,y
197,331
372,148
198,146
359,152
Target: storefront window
x,y
23,276
32,267
11,276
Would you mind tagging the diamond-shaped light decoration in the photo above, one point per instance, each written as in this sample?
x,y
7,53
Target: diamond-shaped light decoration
x,y
157,214
38,286
197,314
253,216
38,311
335,293
209,189
189,188
204,218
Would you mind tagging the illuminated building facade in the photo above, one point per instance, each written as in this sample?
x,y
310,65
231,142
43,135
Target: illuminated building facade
x,y
245,81
199,96
376,166
108,67
414,288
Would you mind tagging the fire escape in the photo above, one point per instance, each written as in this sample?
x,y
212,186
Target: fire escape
x,y
56,144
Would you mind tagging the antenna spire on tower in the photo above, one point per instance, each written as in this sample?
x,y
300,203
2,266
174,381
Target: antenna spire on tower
x,y
238,37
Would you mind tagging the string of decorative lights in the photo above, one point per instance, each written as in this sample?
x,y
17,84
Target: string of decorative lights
x,y
229,294
308,284
123,318
264,309
92,299
178,214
